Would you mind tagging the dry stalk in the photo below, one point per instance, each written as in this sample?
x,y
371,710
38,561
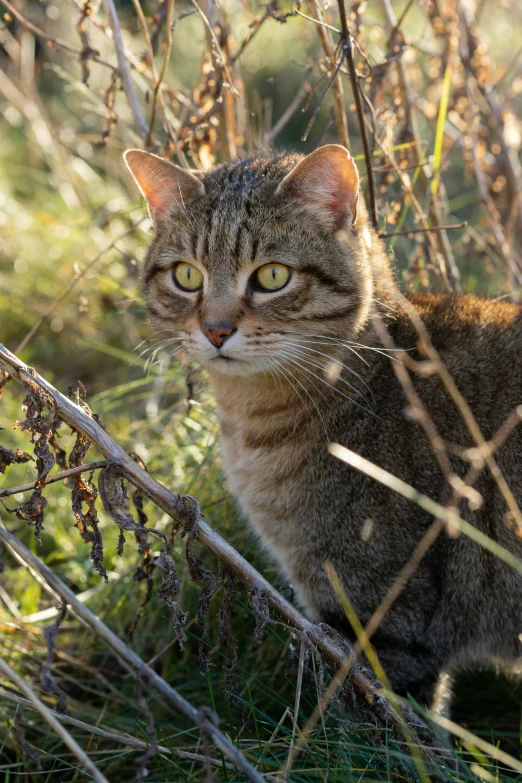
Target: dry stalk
x,y
159,78
50,39
347,47
462,406
129,659
325,36
4,493
123,67
289,112
53,722
112,736
392,27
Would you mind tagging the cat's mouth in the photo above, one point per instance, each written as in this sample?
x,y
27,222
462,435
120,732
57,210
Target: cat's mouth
x,y
226,358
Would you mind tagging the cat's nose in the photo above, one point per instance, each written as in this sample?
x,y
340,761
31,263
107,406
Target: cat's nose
x,y
218,333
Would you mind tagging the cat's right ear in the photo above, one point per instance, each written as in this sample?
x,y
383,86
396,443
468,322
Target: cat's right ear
x,y
165,186
326,185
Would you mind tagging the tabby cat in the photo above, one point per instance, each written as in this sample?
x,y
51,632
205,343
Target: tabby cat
x,y
267,272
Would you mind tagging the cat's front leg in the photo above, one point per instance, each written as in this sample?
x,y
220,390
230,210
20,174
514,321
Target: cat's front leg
x,y
412,668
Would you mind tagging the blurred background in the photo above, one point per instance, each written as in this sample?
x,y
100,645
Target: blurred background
x,y
440,86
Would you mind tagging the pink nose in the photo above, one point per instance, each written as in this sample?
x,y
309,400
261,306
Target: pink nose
x,y
217,333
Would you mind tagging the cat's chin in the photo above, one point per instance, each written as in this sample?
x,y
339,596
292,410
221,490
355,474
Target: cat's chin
x,y
222,365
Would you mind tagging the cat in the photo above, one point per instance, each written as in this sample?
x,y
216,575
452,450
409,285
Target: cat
x,y
268,273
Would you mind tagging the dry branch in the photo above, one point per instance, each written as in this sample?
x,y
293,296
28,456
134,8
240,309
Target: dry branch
x,y
392,27
347,47
4,493
123,67
53,722
112,736
128,657
51,39
186,512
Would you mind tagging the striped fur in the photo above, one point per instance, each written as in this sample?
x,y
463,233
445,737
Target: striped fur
x,y
302,370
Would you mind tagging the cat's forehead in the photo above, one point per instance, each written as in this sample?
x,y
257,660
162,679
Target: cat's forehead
x,y
249,175
231,222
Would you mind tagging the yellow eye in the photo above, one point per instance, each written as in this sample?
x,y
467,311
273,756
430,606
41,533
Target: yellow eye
x,y
272,277
187,277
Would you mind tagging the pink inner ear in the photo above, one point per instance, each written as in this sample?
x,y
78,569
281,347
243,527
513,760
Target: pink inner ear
x,y
327,184
163,185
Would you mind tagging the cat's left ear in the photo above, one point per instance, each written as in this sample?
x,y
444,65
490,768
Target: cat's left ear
x,y
325,183
165,186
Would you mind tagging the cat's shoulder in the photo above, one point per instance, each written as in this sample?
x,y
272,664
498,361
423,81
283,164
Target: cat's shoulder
x,y
460,322
458,311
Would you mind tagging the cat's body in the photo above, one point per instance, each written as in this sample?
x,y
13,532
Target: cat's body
x,y
269,354
462,605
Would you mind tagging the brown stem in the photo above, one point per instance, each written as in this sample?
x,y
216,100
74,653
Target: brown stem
x,y
124,739
50,39
406,231
55,724
123,67
326,40
4,493
348,53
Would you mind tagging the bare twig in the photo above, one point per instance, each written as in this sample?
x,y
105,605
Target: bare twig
x,y
348,53
331,80
392,27
462,406
166,59
424,230
123,67
128,657
53,722
152,65
50,39
289,111
131,742
326,40
4,493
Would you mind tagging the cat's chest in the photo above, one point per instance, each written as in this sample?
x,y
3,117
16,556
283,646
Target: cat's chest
x,y
272,469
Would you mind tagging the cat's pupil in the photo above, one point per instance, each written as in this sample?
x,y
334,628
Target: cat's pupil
x,y
273,273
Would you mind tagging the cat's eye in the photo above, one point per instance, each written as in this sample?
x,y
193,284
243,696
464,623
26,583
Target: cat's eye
x,y
272,277
187,277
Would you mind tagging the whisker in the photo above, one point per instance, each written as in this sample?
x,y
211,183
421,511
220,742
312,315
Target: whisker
x,y
383,304
306,342
282,371
366,410
160,331
310,396
302,351
349,344
292,357
303,345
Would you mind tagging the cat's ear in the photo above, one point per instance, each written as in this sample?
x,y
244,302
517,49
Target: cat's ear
x,y
164,185
326,184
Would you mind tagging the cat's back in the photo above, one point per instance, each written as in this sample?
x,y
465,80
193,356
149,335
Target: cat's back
x,y
479,342
467,320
